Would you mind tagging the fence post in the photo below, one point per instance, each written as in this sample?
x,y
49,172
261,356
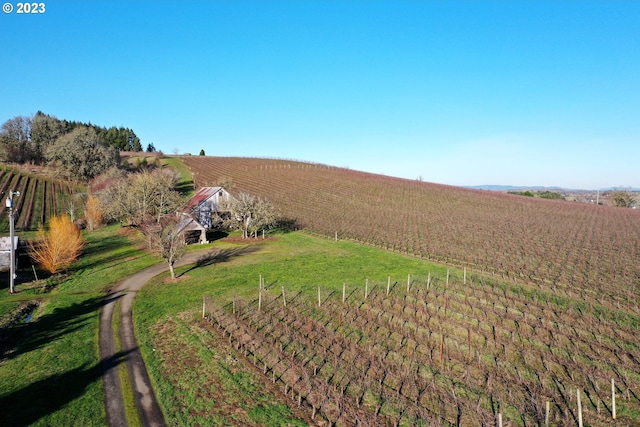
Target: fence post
x,y
203,307
613,399
408,281
579,407
388,284
284,299
546,415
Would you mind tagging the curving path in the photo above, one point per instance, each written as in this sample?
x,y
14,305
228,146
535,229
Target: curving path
x,y
148,408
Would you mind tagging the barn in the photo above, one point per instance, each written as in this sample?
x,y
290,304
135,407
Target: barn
x,y
193,231
204,203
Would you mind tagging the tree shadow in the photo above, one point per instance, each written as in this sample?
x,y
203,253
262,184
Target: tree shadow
x,y
41,398
213,235
104,252
287,225
184,187
26,337
217,256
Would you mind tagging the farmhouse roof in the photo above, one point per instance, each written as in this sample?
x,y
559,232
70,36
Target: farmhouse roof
x,y
202,195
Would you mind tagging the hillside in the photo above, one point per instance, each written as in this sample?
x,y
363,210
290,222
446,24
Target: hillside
x,y
40,198
568,246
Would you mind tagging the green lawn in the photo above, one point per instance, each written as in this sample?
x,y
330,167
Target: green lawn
x,y
51,375
185,184
201,380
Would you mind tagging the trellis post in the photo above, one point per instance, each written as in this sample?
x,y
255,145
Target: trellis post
x,y
613,399
546,415
260,294
579,407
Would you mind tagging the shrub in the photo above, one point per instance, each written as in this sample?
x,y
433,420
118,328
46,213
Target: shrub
x,y
93,213
58,248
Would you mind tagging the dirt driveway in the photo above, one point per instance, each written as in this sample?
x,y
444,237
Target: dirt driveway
x,y
148,408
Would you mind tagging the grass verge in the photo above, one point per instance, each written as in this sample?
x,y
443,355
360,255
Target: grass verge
x,y
51,373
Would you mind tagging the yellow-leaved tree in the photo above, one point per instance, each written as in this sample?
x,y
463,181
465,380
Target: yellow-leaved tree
x,y
93,213
55,250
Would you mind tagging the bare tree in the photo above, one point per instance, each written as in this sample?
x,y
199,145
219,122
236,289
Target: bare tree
x,y
247,213
141,197
15,139
93,212
166,238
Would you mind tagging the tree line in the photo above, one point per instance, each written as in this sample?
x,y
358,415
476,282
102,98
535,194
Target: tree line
x,y
76,149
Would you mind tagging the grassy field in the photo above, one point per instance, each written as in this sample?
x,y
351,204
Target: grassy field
x,y
50,373
468,340
210,384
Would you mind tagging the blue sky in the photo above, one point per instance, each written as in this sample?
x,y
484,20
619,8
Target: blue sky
x,y
456,92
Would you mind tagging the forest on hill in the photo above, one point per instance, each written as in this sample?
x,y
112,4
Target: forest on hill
x,y
26,137
556,244
74,150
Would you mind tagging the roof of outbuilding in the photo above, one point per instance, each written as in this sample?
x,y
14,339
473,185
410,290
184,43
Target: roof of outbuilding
x,y
187,223
203,194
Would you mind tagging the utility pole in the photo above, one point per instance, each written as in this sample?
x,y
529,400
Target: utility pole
x,y
12,267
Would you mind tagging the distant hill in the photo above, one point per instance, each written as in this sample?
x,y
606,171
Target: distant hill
x,y
513,188
523,238
541,188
